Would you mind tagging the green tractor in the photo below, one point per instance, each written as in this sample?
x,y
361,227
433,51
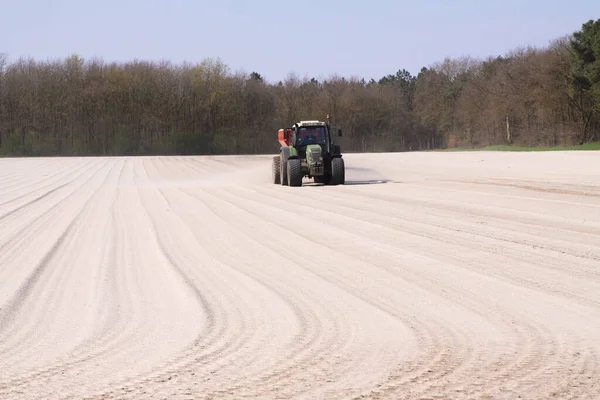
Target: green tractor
x,y
308,149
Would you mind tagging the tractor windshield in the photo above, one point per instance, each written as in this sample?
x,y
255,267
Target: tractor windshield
x,y
312,135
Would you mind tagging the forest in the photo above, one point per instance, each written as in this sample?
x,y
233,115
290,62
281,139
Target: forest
x,y
529,96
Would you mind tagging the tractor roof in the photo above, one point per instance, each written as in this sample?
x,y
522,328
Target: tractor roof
x,y
311,123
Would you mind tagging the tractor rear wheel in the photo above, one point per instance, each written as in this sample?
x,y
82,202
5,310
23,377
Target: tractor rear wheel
x,y
294,172
283,170
338,171
276,169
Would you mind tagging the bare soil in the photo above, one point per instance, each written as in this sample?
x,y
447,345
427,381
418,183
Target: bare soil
x,y
427,276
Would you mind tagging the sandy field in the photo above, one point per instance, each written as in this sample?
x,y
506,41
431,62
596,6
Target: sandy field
x,y
428,276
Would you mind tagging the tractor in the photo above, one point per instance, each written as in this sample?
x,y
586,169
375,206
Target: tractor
x,y
308,150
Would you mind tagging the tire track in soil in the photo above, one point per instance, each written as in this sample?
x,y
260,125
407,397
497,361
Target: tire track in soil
x,y
225,354
567,351
219,392
26,222
559,343
23,237
511,237
35,200
498,319
514,206
64,366
279,249
139,383
118,386
240,231
307,342
215,255
430,339
468,232
15,383
12,308
17,300
463,238
209,344
442,361
19,178
541,340
46,179
370,218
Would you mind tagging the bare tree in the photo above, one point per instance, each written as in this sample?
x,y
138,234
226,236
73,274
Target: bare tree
x,y
73,106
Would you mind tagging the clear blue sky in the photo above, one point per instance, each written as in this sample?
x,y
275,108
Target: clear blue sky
x,y
314,38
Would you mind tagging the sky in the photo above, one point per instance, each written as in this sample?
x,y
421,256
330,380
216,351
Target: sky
x,y
309,38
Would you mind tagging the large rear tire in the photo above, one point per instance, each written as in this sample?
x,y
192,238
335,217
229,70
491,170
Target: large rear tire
x,y
338,171
283,170
276,169
294,172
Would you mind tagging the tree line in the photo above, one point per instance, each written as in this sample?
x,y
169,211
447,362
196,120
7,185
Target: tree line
x,y
530,96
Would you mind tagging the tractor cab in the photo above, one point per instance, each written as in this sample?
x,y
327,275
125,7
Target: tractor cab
x,y
310,132
305,133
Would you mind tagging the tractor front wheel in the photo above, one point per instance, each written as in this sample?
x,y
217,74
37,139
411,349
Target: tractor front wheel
x,y
276,169
294,172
